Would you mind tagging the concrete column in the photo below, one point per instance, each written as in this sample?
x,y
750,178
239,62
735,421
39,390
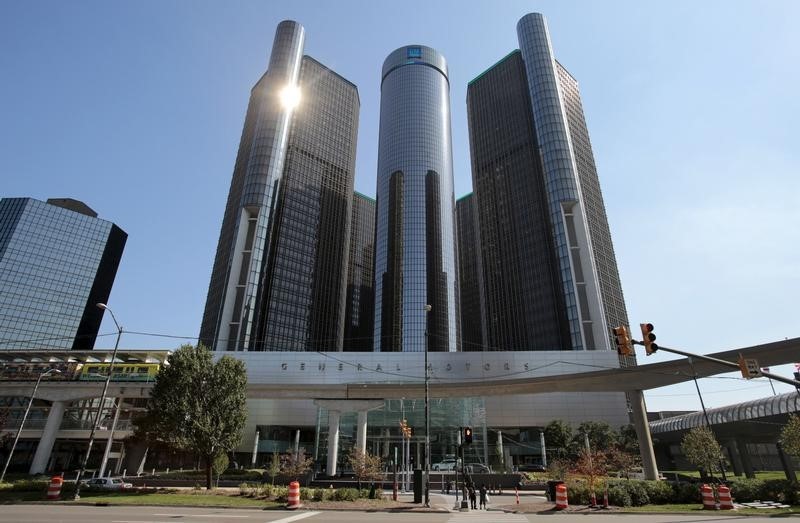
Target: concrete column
x,y
736,459
361,431
297,443
786,462
333,440
544,449
747,464
485,443
45,447
385,452
255,450
110,440
640,423
501,451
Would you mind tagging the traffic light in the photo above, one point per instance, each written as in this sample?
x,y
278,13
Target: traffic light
x,y
467,435
405,429
624,347
797,378
749,367
648,338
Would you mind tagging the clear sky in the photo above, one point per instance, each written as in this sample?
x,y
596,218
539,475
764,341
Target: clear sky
x,y
136,108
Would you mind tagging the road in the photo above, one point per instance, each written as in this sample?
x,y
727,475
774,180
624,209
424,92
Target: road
x,y
90,514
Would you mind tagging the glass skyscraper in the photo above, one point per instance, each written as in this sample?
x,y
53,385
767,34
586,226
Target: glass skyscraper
x,y
473,328
360,311
280,272
57,261
415,255
550,273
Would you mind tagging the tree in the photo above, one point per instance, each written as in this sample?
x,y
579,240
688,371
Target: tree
x,y
197,405
220,464
591,464
702,449
274,466
790,436
627,439
296,465
557,435
601,435
365,466
623,461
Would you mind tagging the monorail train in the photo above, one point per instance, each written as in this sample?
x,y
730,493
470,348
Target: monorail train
x,y
76,371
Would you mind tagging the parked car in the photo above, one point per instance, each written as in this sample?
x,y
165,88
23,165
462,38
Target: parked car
x,y
445,464
531,467
107,484
477,468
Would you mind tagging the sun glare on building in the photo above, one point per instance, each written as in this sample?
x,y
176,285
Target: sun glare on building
x,y
290,96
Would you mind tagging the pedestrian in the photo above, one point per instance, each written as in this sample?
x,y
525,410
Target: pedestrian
x,y
483,496
448,486
472,498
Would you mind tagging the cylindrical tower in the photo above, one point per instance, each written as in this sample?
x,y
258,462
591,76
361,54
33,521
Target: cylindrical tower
x,y
568,216
232,305
415,259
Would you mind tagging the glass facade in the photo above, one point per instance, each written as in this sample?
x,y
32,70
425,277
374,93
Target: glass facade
x,y
550,275
470,274
279,276
415,259
360,308
57,260
525,308
448,417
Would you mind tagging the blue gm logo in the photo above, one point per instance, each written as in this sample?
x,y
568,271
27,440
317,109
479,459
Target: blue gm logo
x,y
413,52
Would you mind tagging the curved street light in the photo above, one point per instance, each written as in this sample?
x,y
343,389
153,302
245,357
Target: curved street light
x,y
100,407
25,417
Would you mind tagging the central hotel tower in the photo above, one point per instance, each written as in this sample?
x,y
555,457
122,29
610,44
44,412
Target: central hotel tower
x,y
416,297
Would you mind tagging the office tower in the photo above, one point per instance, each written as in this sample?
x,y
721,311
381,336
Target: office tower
x,y
473,328
57,261
360,311
550,275
279,276
415,259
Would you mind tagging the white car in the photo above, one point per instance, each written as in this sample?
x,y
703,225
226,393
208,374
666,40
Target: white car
x,y
108,484
445,464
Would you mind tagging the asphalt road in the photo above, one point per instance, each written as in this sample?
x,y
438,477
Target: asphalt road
x,y
91,514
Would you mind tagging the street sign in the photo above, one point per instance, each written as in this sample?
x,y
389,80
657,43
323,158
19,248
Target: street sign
x,y
749,367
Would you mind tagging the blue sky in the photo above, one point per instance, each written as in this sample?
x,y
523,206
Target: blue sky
x,y
136,108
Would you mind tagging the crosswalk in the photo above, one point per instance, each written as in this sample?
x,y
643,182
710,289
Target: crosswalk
x,y
483,516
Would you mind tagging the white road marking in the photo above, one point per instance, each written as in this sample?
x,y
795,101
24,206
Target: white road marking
x,y
302,515
197,516
482,516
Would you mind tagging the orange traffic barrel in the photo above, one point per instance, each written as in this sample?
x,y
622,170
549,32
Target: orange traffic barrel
x,y
725,500
293,501
54,490
561,497
707,493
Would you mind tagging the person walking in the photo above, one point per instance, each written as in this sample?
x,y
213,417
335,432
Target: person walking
x,y
483,496
472,498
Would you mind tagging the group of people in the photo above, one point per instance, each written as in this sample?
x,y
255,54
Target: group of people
x,y
469,491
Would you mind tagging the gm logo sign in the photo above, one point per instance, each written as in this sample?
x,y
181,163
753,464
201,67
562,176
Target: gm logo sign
x,y
413,52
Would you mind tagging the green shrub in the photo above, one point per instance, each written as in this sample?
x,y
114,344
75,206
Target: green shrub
x,y
281,494
687,493
659,492
779,490
306,493
638,493
27,485
319,495
346,494
745,490
618,495
578,493
245,489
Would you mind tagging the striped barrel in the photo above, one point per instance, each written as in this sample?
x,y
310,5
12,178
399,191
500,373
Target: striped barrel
x,y
293,501
725,500
54,490
707,493
561,497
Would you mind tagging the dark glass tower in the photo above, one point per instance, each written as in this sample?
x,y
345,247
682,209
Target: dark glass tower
x,y
473,328
550,275
360,311
57,261
415,257
279,276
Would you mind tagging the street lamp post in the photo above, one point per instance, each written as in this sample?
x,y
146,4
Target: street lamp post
x,y
104,307
25,417
427,417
